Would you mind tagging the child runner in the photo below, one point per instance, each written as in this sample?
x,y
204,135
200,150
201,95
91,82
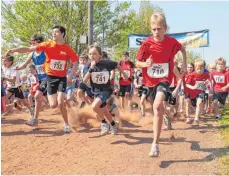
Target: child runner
x,y
220,79
38,59
33,82
99,75
190,69
197,82
12,78
125,86
156,58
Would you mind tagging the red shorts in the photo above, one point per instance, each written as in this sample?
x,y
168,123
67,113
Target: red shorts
x,y
33,89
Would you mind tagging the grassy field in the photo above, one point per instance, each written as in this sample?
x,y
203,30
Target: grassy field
x,y
224,123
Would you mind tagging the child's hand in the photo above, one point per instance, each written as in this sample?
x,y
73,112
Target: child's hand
x,y
93,63
149,62
224,88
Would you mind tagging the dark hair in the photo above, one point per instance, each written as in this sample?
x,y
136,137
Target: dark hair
x,y
105,54
10,58
84,56
37,38
96,47
32,66
61,28
126,53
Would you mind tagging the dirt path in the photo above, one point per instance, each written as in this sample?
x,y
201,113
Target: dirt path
x,y
46,150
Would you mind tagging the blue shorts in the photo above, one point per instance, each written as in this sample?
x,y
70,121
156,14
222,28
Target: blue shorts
x,y
103,96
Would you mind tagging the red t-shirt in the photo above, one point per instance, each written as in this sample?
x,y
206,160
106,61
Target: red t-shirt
x,y
127,68
162,54
219,80
184,79
195,78
56,57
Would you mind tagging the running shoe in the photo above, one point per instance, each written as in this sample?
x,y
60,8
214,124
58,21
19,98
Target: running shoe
x,y
114,129
66,128
32,122
154,152
104,129
167,122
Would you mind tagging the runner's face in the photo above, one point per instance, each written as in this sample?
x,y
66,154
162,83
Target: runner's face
x,y
57,35
94,54
211,69
189,68
125,58
7,63
158,30
220,66
199,69
33,43
32,71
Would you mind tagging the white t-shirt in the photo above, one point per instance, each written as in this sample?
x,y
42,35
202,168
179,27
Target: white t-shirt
x,y
10,73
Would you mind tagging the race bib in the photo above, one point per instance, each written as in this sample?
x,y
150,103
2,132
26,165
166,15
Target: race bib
x,y
140,80
200,85
219,79
40,69
127,72
33,80
57,65
100,77
158,70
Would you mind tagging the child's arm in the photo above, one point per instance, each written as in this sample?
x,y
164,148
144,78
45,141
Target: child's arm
x,y
24,65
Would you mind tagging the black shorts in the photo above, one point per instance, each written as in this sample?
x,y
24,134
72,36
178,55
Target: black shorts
x,y
86,89
171,100
124,89
17,92
201,96
161,87
43,87
55,84
220,96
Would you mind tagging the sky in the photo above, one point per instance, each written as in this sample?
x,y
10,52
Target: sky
x,y
197,15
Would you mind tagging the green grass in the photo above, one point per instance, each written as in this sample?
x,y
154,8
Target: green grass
x,y
224,123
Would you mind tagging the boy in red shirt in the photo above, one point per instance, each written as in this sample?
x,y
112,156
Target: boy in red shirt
x,y
156,58
197,82
220,78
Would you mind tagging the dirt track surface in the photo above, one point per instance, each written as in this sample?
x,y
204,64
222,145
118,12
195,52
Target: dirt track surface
x,y
47,150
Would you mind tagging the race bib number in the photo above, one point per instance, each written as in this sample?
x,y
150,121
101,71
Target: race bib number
x,y
100,77
127,72
158,70
219,79
57,65
40,69
201,85
33,80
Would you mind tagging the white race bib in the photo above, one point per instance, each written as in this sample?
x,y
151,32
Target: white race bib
x,y
33,80
159,70
57,65
100,77
40,69
201,85
219,79
127,72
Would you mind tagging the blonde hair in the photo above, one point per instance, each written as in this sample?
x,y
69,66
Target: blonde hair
x,y
199,63
220,60
211,66
158,17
